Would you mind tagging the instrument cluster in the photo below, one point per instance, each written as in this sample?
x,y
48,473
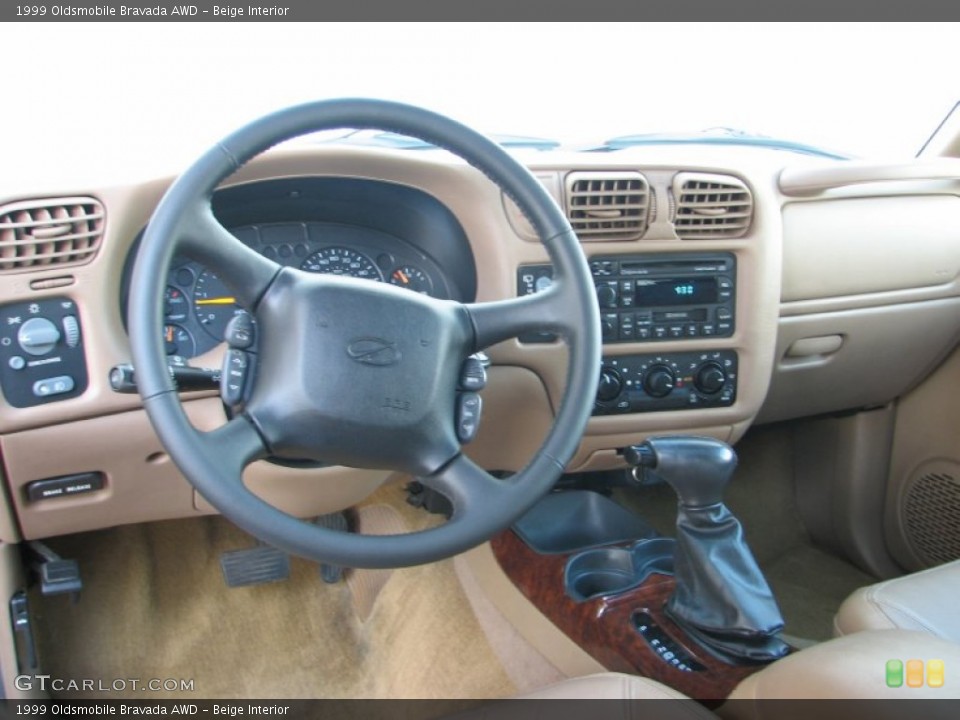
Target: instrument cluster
x,y
198,306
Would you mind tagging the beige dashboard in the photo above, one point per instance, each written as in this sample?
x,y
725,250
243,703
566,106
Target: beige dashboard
x,y
847,294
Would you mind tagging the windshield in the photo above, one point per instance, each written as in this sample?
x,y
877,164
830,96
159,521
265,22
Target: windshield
x,y
147,98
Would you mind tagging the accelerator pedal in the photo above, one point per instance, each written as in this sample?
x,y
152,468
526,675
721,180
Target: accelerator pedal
x,y
332,574
254,566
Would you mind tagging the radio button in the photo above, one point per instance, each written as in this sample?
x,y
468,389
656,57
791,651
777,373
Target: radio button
x,y
660,332
708,329
627,330
724,313
693,330
608,326
643,333
676,331
644,318
725,328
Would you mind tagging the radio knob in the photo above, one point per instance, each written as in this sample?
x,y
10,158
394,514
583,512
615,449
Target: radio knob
x,y
607,296
659,381
611,384
710,378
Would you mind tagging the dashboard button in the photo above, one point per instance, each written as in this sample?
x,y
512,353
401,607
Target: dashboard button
x,y
469,406
16,363
53,386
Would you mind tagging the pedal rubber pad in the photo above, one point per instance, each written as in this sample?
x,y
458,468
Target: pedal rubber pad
x,y
332,574
254,566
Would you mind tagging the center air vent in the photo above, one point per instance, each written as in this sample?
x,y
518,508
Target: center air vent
x,y
608,205
711,207
37,234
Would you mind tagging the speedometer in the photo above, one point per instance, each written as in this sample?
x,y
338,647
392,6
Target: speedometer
x,y
341,261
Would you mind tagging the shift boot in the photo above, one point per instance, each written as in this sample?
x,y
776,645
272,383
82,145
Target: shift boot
x,y
721,597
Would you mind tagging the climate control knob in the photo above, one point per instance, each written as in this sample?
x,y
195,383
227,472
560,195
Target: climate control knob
x,y
710,378
611,384
659,381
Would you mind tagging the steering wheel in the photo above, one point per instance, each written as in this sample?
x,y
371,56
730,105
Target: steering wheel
x,y
353,372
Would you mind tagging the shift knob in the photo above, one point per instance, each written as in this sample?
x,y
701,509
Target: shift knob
x,y
697,468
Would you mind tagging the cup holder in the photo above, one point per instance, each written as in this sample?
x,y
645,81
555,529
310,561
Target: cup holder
x,y
609,571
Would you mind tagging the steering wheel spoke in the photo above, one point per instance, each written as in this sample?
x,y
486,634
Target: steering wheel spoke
x,y
466,485
237,443
500,320
243,270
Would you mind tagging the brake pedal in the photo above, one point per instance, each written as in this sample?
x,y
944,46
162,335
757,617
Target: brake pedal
x,y
254,566
332,574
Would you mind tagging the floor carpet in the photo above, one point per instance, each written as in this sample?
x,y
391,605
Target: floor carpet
x,y
155,605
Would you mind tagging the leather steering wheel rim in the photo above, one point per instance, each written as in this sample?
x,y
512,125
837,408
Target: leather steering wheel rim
x,y
213,462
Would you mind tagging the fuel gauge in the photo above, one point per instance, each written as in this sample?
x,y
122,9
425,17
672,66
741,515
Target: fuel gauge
x,y
412,278
178,341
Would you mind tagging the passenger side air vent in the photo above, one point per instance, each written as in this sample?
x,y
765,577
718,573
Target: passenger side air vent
x,y
608,205
41,233
710,207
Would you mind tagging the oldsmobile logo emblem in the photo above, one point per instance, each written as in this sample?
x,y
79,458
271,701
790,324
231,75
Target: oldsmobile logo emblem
x,y
374,351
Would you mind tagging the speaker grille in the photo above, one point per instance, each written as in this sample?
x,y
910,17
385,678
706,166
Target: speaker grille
x,y
931,516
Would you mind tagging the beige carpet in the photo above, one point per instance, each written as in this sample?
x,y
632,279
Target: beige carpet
x,y
155,606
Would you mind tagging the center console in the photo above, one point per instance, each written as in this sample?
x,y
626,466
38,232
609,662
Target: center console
x,y
658,297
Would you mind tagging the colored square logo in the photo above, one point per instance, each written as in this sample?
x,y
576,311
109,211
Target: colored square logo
x,y
935,673
894,673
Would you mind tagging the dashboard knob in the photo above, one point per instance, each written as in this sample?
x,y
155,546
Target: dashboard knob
x,y
710,378
38,336
659,381
606,296
611,384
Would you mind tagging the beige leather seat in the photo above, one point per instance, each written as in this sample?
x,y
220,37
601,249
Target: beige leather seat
x,y
847,668
579,696
925,601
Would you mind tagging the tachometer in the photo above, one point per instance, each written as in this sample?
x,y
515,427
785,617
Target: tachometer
x,y
341,261
213,304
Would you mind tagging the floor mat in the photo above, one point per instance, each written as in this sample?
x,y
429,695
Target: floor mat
x,y
155,605
810,584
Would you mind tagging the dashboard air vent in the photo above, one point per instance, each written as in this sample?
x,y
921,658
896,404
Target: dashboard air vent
x,y
608,205
37,234
711,206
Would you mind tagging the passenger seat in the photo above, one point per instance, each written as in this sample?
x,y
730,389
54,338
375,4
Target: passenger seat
x,y
925,601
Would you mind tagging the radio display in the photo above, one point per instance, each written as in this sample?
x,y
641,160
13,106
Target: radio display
x,y
676,291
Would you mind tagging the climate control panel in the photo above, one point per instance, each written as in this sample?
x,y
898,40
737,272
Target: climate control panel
x,y
41,352
666,381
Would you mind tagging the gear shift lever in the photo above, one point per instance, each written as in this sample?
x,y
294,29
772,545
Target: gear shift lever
x,y
721,597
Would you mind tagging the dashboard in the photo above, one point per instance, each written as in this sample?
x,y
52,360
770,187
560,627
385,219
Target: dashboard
x,y
723,283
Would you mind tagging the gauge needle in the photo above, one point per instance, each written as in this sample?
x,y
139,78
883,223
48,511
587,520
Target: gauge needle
x,y
217,301
402,276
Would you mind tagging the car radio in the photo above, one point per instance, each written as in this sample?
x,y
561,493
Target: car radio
x,y
664,296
